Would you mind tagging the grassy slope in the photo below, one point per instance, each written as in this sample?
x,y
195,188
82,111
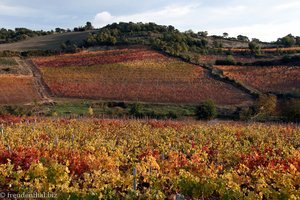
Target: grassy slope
x,y
67,106
48,42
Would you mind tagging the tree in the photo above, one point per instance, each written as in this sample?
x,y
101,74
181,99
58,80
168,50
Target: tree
x,y
69,47
207,110
298,40
89,26
136,110
60,30
203,33
255,40
243,38
217,44
190,32
225,35
287,41
57,30
292,110
266,104
254,48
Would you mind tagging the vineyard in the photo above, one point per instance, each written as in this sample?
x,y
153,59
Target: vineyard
x,y
15,89
211,59
276,79
134,75
122,159
265,50
96,58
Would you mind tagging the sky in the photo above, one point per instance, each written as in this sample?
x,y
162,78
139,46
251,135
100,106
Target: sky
x,y
266,20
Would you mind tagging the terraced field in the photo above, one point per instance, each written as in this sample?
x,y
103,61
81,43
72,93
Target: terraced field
x,y
275,79
134,75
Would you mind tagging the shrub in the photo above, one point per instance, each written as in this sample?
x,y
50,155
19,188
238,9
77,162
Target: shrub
x,y
207,110
254,48
136,110
90,111
292,110
172,115
266,104
246,113
15,110
229,61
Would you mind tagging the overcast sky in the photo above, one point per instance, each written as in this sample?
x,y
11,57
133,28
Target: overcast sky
x,y
263,19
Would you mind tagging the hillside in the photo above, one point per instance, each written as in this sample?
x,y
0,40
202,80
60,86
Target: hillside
x,y
47,42
149,64
268,79
135,74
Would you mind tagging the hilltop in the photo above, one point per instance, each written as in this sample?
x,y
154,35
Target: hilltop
x,y
25,40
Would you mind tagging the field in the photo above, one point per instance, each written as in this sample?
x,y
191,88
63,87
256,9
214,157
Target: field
x,y
96,158
275,79
17,89
134,75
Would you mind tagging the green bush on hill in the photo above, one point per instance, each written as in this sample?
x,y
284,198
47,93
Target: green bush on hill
x,y
165,38
207,110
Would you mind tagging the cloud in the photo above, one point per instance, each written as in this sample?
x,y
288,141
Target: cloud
x,y
264,32
103,19
287,6
266,20
17,11
166,15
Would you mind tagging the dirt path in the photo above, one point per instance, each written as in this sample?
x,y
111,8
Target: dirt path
x,y
41,86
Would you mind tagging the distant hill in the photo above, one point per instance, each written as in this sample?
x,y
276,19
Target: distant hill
x,y
48,42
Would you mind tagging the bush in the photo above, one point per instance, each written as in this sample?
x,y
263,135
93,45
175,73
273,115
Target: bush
x,y
136,110
207,110
15,110
292,110
246,113
90,111
172,115
266,104
229,61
